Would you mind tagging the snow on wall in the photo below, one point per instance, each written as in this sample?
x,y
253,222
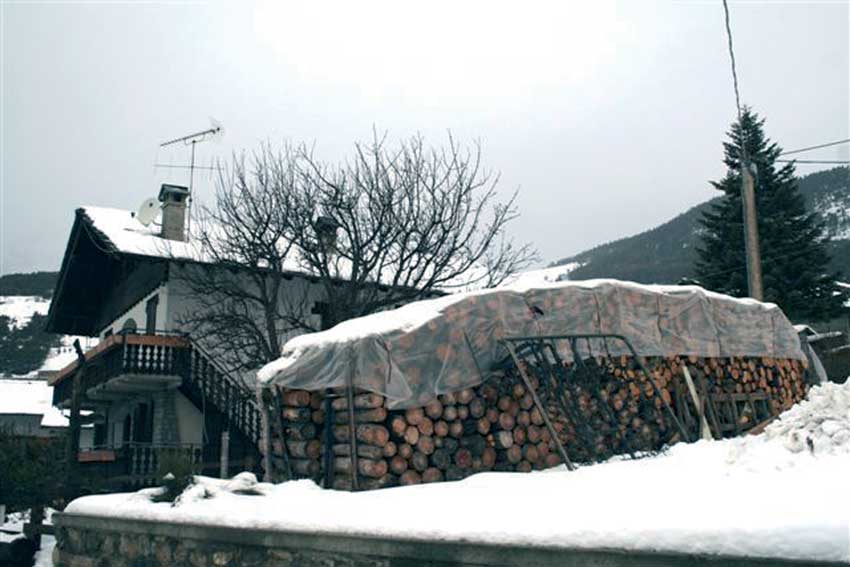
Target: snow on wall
x,y
728,497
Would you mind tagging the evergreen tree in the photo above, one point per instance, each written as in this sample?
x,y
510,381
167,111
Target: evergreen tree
x,y
794,257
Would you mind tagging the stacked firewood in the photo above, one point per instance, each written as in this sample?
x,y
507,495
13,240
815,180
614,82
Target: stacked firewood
x,y
610,406
300,448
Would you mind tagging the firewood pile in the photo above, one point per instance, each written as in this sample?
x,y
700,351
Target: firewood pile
x,y
597,407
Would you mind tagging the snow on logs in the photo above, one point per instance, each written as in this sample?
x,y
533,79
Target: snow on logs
x,y
497,427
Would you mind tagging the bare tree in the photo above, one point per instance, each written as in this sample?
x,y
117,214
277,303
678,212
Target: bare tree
x,y
390,226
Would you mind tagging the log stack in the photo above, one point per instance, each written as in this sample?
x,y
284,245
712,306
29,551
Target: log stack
x,y
302,422
614,407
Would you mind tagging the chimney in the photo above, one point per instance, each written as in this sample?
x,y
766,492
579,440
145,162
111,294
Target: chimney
x,y
174,200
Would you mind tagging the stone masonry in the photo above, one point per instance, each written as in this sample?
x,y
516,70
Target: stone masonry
x,y
89,541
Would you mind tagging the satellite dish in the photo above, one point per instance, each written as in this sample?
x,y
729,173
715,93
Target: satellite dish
x,y
148,211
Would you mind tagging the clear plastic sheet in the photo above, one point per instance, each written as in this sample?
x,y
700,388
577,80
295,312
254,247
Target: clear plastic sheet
x,y
412,354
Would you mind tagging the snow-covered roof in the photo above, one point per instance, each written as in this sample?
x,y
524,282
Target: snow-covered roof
x,y
123,231
30,397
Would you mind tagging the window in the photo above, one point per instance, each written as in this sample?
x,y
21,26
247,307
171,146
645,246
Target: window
x,y
129,326
150,314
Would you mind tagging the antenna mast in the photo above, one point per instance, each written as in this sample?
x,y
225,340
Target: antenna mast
x,y
193,139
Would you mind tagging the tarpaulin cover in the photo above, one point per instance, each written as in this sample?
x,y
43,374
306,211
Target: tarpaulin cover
x,y
426,348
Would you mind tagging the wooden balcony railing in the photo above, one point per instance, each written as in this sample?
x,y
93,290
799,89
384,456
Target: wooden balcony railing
x,y
202,381
138,464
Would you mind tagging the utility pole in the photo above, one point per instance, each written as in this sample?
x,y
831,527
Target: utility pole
x,y
748,192
751,231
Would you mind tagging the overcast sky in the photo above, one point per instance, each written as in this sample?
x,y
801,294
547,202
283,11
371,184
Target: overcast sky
x,y
609,116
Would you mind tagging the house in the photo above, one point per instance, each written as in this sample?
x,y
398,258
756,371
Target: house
x,y
26,410
832,349
151,388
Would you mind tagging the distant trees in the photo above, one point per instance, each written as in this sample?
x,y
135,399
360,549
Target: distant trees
x,y
32,471
23,349
795,261
393,224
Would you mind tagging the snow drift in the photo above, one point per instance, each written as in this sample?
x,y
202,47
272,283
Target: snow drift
x,y
775,495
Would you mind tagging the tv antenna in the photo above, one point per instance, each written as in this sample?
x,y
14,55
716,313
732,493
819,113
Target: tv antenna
x,y
192,140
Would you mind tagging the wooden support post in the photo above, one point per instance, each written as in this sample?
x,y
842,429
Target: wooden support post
x,y
72,479
281,433
225,454
265,436
328,455
352,430
35,525
540,407
705,431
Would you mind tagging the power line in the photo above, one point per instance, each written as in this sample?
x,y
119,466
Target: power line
x,y
813,161
815,147
732,57
765,260
748,194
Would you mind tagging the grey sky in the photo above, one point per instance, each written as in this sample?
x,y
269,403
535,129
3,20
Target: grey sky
x,y
608,116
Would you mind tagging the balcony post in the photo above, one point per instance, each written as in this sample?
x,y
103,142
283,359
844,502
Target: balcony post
x,y
72,471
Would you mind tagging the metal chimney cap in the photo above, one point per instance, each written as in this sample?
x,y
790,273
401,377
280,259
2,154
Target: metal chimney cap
x,y
175,190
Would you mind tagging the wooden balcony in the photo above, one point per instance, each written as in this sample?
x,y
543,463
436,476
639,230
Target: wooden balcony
x,y
125,365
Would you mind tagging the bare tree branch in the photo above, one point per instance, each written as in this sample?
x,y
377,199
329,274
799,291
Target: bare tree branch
x,y
410,222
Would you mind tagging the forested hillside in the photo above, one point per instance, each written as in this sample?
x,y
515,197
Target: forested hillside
x,y
24,301
666,253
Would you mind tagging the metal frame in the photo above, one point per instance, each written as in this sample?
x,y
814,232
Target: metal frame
x,y
561,381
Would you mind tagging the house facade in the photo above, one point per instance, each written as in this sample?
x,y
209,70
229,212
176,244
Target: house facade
x,y
152,390
26,410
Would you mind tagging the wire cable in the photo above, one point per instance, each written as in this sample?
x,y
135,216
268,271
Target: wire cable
x,y
819,146
732,58
845,161
765,260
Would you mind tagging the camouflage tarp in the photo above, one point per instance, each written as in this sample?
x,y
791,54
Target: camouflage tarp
x,y
431,347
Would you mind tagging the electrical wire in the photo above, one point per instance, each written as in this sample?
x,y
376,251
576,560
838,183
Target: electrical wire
x,y
844,161
765,260
819,146
732,58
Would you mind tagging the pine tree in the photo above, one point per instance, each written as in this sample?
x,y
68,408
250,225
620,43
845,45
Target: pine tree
x,y
795,261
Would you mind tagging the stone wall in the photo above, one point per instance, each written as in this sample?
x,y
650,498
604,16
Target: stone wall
x,y
85,541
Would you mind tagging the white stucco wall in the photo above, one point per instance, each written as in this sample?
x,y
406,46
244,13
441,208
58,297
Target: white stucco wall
x,y
190,421
137,313
296,292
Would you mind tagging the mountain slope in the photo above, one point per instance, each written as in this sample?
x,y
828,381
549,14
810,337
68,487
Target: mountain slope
x,y
24,346
666,253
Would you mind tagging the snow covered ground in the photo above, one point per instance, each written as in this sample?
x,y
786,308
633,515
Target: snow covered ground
x,y
530,278
782,494
15,523
21,308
